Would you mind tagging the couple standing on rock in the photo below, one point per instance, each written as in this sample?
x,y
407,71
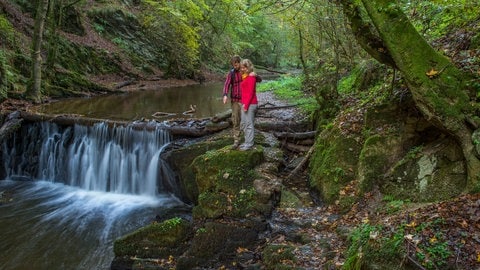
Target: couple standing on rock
x,y
241,83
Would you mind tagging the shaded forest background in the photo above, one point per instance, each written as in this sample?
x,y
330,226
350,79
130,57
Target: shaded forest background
x,y
89,44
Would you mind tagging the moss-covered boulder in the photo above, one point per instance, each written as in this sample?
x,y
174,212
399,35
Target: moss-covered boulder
x,y
378,153
334,162
428,173
225,179
181,159
214,242
157,240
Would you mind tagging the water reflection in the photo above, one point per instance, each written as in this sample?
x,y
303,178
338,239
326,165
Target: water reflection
x,y
143,104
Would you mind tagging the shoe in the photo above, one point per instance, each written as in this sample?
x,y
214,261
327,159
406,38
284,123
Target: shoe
x,y
244,147
235,146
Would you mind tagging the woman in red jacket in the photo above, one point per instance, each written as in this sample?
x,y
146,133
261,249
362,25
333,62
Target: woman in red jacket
x,y
249,103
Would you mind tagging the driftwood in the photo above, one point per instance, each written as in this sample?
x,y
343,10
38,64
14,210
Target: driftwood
x,y
193,108
125,83
162,114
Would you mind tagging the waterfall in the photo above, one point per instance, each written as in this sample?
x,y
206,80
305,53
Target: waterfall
x,y
96,158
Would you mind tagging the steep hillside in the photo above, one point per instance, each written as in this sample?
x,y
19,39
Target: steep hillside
x,y
96,48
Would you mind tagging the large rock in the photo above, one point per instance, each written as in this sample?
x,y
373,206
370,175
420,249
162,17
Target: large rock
x,y
397,151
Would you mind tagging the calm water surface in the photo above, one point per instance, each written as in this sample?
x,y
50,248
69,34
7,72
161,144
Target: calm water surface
x,y
143,104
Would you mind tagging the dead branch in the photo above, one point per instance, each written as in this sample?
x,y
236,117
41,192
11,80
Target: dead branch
x,y
193,108
274,107
301,164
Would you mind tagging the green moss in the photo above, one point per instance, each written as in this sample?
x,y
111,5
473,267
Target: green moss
x,y
374,160
157,240
369,249
64,84
225,182
7,32
333,164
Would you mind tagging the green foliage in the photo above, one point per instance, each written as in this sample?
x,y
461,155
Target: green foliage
x,y
368,245
393,205
7,32
4,71
290,88
435,18
433,250
167,24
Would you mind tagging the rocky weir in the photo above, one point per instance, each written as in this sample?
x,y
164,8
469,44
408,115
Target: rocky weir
x,y
230,193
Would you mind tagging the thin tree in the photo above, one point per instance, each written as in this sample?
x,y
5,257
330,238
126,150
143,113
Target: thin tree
x,y
34,90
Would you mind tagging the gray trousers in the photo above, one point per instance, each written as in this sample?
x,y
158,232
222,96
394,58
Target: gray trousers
x,y
236,118
247,124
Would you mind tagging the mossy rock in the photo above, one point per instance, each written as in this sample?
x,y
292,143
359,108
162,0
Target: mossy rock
x,y
157,240
224,179
216,242
434,172
181,159
290,200
379,152
334,163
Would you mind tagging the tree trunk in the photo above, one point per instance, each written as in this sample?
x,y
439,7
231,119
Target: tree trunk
x,y
439,89
34,91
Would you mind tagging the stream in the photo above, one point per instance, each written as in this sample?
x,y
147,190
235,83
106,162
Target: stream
x,y
69,192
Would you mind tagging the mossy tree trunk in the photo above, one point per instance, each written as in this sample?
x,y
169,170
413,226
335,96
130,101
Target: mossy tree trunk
x,y
34,89
439,89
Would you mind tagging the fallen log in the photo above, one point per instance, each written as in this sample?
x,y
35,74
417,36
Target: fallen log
x,y
295,147
295,135
281,125
222,116
192,128
276,107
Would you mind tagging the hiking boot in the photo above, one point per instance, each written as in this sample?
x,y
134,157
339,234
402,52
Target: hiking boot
x,y
245,147
235,145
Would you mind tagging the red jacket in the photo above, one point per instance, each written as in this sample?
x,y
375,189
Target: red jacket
x,y
249,92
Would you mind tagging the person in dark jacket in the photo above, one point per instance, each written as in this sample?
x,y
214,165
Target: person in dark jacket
x,y
232,85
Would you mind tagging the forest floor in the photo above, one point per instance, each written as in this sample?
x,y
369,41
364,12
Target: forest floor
x,y
440,235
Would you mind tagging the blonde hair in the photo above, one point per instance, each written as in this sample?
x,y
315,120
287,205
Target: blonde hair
x,y
248,64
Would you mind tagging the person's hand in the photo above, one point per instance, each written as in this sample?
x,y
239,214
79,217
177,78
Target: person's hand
x,y
253,74
225,99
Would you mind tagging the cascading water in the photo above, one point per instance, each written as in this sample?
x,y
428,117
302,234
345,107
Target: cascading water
x,y
90,185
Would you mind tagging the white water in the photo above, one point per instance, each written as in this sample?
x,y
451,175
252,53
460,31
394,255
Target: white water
x,y
88,189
